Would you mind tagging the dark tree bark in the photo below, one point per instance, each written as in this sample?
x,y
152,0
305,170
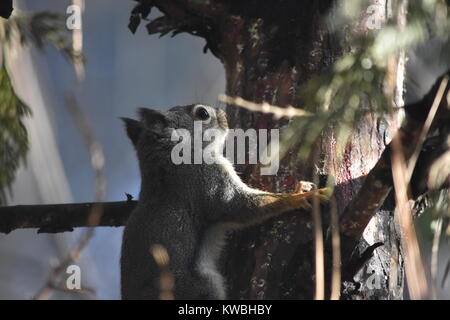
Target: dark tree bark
x,y
54,218
276,261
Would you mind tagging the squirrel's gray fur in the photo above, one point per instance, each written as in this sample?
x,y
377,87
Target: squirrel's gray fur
x,y
185,208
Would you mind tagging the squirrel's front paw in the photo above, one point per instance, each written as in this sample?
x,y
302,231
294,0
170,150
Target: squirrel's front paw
x,y
304,199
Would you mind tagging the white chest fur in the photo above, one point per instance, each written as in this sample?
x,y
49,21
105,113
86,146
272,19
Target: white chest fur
x,y
212,245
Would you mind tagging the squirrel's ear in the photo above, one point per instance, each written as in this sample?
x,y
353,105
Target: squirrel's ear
x,y
133,128
152,119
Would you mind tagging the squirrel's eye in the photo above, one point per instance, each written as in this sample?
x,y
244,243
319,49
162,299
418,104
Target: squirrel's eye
x,y
202,113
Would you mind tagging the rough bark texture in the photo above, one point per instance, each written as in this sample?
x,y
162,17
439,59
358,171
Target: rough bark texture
x,y
276,261
267,55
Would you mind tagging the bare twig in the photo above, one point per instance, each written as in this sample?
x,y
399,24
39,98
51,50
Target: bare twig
x,y
97,162
336,246
278,113
318,241
166,279
77,44
415,272
426,127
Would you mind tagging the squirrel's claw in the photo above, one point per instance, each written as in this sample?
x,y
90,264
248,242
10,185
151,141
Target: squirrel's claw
x,y
304,200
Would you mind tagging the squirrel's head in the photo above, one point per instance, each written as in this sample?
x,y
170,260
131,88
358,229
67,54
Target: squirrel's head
x,y
161,129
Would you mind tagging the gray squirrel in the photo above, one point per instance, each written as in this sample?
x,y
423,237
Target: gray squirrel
x,y
187,209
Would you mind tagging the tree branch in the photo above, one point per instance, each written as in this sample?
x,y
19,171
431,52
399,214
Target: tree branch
x,y
54,218
378,183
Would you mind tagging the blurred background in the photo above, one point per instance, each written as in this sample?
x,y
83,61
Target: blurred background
x,y
122,72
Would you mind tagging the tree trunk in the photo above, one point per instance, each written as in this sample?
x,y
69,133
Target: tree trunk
x,y
268,56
